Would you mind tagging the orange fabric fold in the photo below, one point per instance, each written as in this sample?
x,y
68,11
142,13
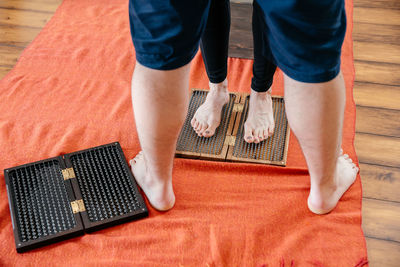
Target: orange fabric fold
x,y
70,90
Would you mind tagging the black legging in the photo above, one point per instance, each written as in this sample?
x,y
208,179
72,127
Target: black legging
x,y
215,42
263,69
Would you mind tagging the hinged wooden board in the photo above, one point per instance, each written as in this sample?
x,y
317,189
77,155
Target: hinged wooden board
x,y
273,150
231,130
39,198
190,145
58,198
68,173
78,206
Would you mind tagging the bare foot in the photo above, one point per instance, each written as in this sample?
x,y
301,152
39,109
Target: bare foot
x,y
159,193
260,119
324,199
208,116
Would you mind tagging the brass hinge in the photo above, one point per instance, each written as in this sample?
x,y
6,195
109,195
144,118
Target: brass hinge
x,y
230,140
77,206
238,107
68,173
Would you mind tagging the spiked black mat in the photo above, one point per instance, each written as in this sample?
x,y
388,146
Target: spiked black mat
x,y
191,145
270,151
228,144
62,197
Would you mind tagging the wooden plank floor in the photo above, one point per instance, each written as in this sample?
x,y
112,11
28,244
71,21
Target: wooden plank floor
x,y
377,94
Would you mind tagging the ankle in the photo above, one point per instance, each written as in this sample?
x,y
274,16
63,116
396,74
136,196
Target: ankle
x,y
159,174
260,95
221,87
324,184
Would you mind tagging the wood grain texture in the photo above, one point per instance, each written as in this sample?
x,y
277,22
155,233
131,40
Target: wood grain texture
x,y
9,55
386,4
4,70
380,182
375,149
24,18
381,219
385,16
48,6
241,37
375,33
376,95
382,52
238,47
378,121
377,72
382,253
12,35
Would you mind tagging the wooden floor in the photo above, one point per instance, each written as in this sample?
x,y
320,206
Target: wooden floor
x,y
377,94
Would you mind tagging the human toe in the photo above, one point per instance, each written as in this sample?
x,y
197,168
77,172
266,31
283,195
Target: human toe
x,y
271,129
265,133
196,125
199,126
136,158
210,131
255,137
260,135
202,129
193,122
248,135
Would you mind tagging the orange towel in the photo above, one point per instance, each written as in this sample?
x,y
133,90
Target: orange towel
x,y
70,90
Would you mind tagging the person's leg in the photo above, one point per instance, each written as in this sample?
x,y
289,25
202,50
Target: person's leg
x,y
214,47
160,100
315,113
214,42
166,36
305,40
260,123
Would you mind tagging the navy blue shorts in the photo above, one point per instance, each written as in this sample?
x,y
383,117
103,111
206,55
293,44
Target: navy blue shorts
x,y
302,37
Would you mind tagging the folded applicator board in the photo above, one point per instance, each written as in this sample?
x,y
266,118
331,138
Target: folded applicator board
x,y
62,197
228,144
